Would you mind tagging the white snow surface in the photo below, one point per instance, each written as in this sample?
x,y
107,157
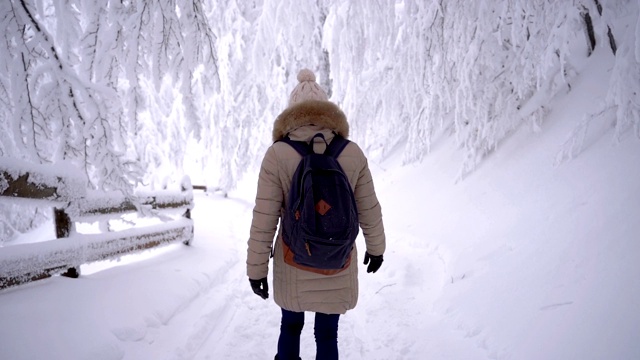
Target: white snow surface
x,y
523,259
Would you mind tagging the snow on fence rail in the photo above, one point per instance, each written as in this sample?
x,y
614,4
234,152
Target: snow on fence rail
x,y
23,263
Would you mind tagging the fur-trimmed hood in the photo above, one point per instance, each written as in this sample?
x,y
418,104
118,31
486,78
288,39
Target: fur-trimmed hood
x,y
311,112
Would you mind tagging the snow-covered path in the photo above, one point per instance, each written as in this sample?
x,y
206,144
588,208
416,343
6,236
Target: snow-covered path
x,y
523,260
225,320
195,303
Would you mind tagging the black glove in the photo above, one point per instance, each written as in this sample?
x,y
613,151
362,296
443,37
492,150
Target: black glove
x,y
260,287
376,262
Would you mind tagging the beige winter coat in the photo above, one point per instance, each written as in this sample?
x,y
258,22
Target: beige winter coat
x,y
295,289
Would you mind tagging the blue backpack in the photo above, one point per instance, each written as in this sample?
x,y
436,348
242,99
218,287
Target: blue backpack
x,y
320,224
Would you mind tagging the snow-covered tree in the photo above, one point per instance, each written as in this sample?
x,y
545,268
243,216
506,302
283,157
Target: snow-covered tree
x,y
361,39
114,87
624,93
261,46
471,70
137,92
96,82
620,39
56,109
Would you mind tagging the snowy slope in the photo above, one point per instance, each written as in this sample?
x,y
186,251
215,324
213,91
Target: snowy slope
x,y
540,260
524,259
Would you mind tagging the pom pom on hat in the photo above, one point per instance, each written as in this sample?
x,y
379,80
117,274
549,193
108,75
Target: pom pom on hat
x,y
307,89
306,75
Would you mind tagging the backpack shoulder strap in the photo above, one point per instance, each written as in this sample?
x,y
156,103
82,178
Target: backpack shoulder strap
x,y
334,149
336,146
300,146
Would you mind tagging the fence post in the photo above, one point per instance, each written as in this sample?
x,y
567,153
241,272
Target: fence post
x,y
186,186
63,229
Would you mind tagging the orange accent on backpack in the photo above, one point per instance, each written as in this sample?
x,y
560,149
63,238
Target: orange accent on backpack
x,y
288,259
322,207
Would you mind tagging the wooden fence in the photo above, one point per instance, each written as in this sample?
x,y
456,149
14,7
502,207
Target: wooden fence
x,y
23,263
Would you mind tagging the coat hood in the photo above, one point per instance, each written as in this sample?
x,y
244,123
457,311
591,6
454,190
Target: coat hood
x,y
311,112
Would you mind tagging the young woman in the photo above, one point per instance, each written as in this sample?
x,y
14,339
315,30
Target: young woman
x,y
298,289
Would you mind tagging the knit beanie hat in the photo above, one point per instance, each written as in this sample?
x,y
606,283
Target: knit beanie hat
x,y
307,89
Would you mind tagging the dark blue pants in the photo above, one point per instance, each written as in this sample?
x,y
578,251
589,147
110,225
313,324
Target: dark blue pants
x,y
325,330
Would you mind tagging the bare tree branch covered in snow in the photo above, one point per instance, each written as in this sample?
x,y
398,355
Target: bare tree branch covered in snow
x,y
124,86
624,92
621,108
96,83
57,113
261,46
114,87
474,70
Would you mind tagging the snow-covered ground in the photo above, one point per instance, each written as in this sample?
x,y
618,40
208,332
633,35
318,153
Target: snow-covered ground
x,y
524,259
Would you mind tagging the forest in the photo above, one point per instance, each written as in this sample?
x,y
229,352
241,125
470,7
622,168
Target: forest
x,y
138,94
